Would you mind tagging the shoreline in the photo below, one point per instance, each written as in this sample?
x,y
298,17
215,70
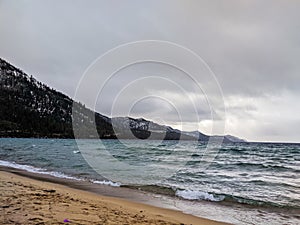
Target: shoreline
x,y
27,198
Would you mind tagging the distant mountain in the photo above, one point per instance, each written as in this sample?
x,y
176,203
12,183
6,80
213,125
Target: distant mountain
x,y
32,109
234,139
145,129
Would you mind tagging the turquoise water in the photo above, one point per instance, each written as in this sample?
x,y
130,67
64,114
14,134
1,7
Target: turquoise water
x,y
251,174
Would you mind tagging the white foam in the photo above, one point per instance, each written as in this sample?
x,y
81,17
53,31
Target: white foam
x,y
53,173
106,182
198,195
37,170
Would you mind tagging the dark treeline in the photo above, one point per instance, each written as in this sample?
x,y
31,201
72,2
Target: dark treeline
x,y
32,109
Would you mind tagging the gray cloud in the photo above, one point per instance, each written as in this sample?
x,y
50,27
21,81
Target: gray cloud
x,y
252,46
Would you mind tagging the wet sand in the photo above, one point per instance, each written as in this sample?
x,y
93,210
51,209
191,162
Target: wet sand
x,y
25,200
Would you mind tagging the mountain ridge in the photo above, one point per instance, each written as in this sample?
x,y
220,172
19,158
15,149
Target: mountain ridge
x,y
30,108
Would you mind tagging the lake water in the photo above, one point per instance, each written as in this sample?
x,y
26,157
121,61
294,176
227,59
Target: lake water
x,y
250,183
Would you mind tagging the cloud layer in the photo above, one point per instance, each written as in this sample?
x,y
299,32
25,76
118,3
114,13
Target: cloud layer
x,y
252,47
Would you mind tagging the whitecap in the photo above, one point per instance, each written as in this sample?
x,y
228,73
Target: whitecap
x,y
198,195
37,170
106,182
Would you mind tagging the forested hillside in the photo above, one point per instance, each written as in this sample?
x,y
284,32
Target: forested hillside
x,y
32,109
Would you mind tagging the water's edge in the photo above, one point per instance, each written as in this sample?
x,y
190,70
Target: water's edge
x,y
205,209
245,184
127,193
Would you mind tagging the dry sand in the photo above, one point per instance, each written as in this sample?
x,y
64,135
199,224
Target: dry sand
x,y
28,201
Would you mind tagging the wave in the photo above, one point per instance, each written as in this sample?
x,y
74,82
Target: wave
x,y
273,183
260,166
195,195
37,170
198,195
107,182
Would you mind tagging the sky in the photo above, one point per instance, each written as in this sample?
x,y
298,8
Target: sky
x,y
252,48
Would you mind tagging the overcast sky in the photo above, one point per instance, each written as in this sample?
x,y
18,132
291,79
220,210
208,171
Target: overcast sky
x,y
253,48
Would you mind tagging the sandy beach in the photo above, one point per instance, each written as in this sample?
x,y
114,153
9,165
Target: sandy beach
x,y
29,201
